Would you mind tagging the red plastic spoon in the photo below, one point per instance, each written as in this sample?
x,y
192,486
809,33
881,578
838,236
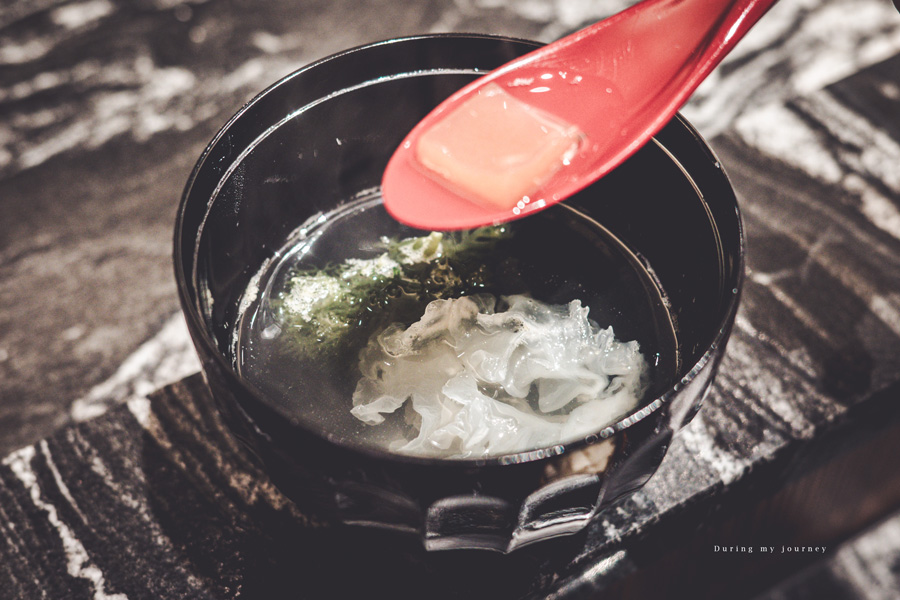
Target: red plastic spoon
x,y
601,92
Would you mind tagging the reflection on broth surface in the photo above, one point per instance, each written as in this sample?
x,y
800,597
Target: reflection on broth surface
x,y
456,345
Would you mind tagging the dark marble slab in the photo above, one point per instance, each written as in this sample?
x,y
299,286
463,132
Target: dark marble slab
x,y
866,566
105,105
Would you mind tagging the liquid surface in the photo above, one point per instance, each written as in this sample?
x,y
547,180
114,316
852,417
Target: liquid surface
x,y
357,258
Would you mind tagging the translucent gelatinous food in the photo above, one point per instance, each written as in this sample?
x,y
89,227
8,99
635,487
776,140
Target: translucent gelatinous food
x,y
490,169
474,381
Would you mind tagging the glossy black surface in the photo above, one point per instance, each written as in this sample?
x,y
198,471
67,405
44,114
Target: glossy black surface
x,y
322,136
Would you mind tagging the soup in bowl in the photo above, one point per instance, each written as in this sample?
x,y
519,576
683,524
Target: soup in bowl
x,y
487,388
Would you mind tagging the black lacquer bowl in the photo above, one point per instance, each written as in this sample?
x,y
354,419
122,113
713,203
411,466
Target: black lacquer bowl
x,y
277,163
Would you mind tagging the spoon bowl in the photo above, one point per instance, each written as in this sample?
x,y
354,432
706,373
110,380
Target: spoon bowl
x,y
618,82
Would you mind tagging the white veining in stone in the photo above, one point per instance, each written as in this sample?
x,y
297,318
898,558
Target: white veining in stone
x,y
879,209
876,159
798,47
165,358
58,479
139,407
887,308
700,443
564,16
23,51
823,246
20,45
168,4
134,97
274,44
865,563
768,389
80,14
17,10
158,104
779,131
78,562
878,153
787,301
168,357
249,486
129,491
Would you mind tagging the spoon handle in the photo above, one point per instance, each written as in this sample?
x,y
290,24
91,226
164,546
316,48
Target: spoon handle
x,y
656,48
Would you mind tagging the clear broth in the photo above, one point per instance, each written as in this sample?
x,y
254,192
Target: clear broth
x,y
555,256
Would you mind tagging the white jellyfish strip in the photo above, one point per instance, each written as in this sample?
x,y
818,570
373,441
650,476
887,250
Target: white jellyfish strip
x,y
481,382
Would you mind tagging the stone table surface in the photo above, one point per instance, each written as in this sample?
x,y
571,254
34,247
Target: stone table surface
x,y
120,482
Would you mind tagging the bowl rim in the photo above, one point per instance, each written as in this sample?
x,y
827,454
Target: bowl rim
x,y
201,335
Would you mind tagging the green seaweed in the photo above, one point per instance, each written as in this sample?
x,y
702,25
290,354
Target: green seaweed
x,y
336,308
